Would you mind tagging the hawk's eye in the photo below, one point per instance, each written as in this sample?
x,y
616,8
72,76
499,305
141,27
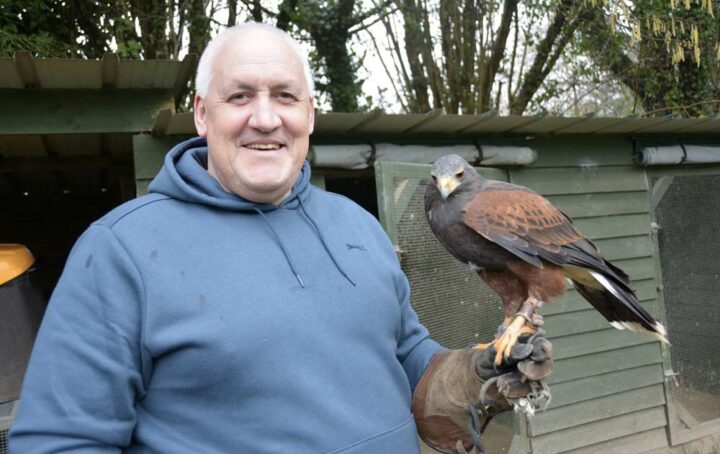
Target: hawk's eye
x,y
460,174
434,178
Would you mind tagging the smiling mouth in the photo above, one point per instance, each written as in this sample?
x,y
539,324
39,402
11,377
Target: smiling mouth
x,y
263,146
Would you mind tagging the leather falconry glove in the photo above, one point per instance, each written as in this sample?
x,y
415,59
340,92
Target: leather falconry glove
x,y
461,390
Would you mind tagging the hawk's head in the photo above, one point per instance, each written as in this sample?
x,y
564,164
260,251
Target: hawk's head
x,y
451,172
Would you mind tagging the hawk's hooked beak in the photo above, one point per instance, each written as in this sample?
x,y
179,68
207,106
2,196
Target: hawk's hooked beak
x,y
447,185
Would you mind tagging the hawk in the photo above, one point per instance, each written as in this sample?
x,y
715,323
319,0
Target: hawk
x,y
524,248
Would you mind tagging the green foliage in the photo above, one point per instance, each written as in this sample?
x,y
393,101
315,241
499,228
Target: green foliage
x,y
21,32
667,55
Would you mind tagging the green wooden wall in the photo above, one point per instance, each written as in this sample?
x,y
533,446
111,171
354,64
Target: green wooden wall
x,y
608,385
148,155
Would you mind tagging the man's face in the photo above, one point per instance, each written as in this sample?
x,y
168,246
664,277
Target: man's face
x,y
257,117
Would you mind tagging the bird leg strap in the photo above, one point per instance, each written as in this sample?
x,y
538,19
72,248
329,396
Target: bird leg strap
x,y
527,311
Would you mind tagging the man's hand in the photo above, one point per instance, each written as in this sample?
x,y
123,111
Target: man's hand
x,y
462,389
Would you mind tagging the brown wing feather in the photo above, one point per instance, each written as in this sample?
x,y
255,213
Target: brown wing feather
x,y
522,222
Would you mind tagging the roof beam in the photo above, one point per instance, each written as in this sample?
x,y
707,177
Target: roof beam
x,y
77,162
26,69
110,70
162,121
81,111
187,70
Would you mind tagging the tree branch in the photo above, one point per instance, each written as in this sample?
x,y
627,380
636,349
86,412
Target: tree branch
x,y
545,57
490,69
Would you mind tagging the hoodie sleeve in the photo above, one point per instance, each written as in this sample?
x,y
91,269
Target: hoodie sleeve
x,y
85,372
415,348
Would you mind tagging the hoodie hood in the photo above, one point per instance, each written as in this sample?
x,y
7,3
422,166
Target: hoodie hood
x,y
184,176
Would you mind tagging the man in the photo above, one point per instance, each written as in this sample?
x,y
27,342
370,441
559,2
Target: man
x,y
236,308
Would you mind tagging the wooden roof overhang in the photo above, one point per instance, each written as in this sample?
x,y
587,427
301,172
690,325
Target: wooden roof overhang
x,y
66,125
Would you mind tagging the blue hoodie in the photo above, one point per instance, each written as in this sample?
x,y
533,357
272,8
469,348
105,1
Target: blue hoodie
x,y
191,320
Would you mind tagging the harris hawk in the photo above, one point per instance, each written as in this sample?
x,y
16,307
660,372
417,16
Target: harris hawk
x,y
524,248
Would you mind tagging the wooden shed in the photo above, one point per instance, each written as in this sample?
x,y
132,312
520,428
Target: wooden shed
x,y
66,129
646,190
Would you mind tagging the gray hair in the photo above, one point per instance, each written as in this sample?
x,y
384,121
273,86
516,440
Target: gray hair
x,y
205,67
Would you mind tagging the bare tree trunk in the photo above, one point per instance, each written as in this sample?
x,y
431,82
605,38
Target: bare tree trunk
x,y
257,11
450,47
513,55
413,50
468,77
406,92
232,13
198,27
548,51
437,85
490,69
152,16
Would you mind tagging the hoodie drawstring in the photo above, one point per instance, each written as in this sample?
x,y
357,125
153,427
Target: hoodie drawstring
x,y
317,232
282,246
322,240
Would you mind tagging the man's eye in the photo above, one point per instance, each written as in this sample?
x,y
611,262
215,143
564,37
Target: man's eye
x,y
239,97
286,96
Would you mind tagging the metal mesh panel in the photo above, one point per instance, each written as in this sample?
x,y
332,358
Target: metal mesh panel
x,y
451,301
688,216
7,416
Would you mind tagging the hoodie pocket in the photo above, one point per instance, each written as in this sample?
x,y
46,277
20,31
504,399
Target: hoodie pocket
x,y
401,439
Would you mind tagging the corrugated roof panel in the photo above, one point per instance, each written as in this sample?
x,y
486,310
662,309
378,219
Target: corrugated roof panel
x,y
337,123
589,125
170,70
446,123
670,126
633,125
129,73
158,77
62,73
340,124
546,125
148,73
499,124
154,76
701,126
9,77
388,124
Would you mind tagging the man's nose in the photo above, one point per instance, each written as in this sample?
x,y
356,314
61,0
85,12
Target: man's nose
x,y
264,116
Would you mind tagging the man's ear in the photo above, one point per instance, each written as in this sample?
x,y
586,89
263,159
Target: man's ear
x,y
199,115
311,119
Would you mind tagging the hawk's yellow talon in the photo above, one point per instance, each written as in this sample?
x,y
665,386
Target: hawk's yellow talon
x,y
508,339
